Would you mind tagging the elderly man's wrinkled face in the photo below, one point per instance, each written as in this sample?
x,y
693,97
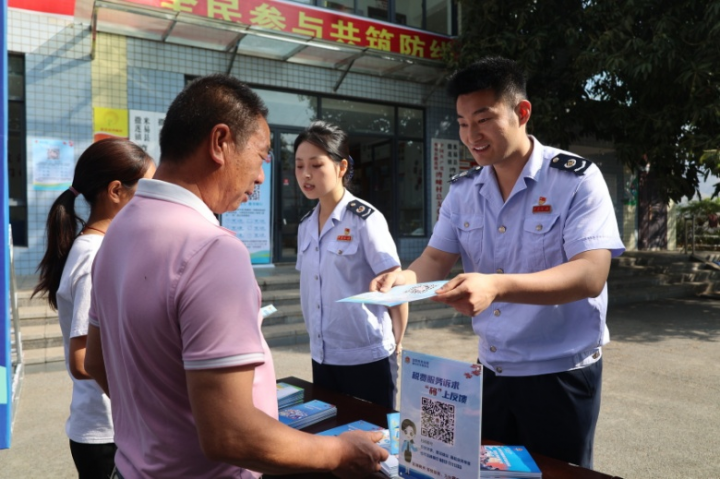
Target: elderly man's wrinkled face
x,y
244,167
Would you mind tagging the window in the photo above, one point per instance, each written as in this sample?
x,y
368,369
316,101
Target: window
x,y
289,109
433,15
411,172
17,164
359,117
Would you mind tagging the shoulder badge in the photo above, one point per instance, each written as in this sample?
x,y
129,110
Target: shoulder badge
x,y
307,215
466,174
572,163
360,209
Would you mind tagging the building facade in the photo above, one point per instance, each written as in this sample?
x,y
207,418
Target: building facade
x,y
79,70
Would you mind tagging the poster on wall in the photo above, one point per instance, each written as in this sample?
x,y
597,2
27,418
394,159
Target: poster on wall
x,y
109,123
445,165
145,129
251,221
53,163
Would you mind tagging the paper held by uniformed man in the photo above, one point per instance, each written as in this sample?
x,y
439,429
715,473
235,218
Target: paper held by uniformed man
x,y
397,295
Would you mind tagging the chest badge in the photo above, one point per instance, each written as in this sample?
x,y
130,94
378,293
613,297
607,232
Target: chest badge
x,y
346,236
542,207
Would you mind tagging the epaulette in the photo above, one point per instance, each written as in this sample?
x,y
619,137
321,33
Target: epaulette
x,y
360,209
466,174
307,215
570,163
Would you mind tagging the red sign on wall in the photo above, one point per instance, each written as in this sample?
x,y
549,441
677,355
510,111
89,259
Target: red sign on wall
x,y
313,22
58,7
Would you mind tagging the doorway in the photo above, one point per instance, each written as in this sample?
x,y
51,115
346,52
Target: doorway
x,y
291,203
372,182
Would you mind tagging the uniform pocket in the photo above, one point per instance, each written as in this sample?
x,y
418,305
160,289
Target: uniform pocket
x,y
342,248
302,249
542,242
470,233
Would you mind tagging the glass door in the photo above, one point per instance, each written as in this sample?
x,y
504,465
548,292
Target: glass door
x,y
291,204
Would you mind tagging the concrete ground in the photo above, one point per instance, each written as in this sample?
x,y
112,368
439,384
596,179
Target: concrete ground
x,y
660,415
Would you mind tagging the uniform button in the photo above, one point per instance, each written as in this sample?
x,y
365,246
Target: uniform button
x,y
466,224
339,251
316,277
316,248
499,271
318,306
538,227
502,229
319,336
498,369
496,312
596,355
493,349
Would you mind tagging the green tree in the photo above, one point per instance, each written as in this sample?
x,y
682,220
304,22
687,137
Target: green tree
x,y
643,74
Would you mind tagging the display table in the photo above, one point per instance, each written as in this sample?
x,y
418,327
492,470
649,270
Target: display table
x,y
351,409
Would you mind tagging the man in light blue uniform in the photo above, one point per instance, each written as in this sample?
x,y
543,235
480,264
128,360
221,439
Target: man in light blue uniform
x,y
536,229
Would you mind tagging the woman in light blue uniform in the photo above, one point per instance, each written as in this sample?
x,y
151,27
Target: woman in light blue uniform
x,y
343,243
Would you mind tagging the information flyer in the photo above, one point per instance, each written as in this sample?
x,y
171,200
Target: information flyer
x,y
397,295
440,418
251,222
145,129
53,163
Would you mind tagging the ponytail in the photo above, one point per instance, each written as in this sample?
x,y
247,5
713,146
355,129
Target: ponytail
x,y
62,228
100,164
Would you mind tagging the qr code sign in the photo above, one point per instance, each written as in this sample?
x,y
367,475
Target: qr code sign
x,y
438,421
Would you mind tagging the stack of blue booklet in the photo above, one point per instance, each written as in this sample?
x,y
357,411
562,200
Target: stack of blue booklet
x,y
502,462
306,414
289,395
390,466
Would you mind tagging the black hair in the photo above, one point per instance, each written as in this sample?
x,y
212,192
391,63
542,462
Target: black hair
x,y
408,423
332,140
205,102
502,76
100,164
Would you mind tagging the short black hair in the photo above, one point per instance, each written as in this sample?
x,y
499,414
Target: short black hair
x,y
205,102
502,76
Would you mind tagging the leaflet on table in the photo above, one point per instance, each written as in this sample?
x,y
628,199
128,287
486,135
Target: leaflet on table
x,y
303,415
440,412
289,395
504,462
390,466
397,295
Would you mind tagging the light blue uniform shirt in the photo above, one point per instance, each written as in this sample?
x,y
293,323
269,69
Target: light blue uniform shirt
x,y
339,262
550,216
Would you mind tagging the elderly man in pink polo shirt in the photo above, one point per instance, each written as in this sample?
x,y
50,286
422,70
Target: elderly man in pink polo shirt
x,y
175,335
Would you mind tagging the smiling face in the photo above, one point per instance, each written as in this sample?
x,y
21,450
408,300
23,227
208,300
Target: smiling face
x,y
491,129
316,173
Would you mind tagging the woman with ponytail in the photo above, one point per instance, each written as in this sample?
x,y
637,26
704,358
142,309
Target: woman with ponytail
x,y
106,175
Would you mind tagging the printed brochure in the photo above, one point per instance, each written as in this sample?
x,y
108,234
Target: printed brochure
x,y
397,295
440,416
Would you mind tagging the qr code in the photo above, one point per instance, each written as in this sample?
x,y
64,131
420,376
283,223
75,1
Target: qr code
x,y
438,421
421,288
255,194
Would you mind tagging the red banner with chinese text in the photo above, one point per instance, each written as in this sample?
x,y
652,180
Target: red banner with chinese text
x,y
314,22
59,7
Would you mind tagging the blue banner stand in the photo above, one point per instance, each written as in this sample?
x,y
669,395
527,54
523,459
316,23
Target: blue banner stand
x,y
6,368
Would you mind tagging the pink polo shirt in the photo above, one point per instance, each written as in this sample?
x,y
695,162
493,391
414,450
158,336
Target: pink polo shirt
x,y
173,291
